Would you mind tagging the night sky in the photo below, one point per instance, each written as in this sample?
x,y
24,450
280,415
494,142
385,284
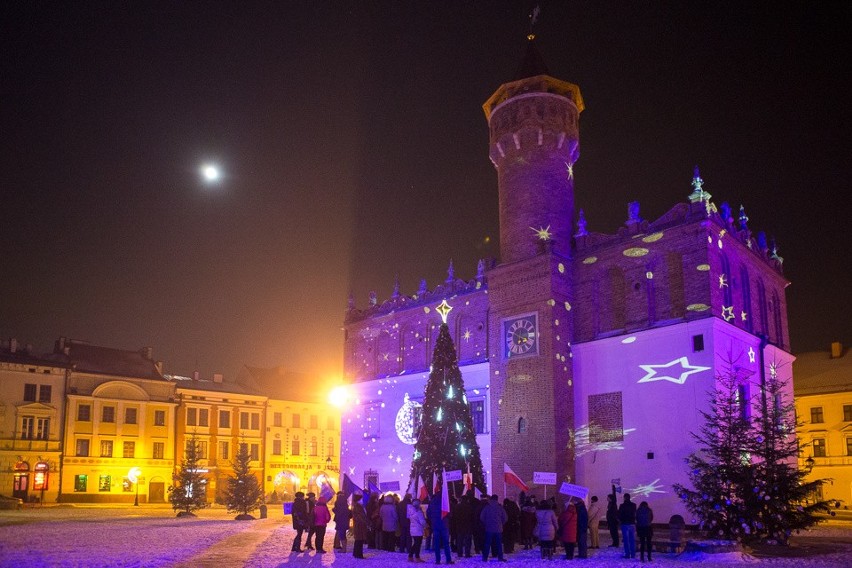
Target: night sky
x,y
354,148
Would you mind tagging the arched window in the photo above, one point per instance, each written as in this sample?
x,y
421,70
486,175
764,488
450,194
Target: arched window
x,y
725,283
522,425
746,290
763,326
313,449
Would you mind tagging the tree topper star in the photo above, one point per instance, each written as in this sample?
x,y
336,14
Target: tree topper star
x,y
652,375
543,234
444,310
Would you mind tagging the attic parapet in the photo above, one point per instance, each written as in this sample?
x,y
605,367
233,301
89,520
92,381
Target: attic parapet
x,y
451,287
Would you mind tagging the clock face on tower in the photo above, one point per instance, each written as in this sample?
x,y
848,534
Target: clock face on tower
x,y
520,335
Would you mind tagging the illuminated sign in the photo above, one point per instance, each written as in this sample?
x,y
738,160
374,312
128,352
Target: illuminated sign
x,y
40,477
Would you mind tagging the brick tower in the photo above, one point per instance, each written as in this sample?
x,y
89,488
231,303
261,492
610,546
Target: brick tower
x,y
534,142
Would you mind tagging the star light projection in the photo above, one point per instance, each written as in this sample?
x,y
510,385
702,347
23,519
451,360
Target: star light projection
x,y
543,234
677,378
581,439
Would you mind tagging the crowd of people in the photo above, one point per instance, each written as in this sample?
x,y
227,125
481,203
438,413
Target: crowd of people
x,y
481,526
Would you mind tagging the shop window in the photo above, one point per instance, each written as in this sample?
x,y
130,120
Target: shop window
x,y
80,482
104,483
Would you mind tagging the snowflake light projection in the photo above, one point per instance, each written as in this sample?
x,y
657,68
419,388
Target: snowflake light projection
x,y
407,421
543,234
646,489
583,445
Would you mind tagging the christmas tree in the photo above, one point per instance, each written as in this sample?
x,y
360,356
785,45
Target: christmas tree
x,y
243,493
446,440
780,501
720,468
188,493
747,485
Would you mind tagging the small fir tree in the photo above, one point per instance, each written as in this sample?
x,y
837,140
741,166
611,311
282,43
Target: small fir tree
x,y
243,493
188,492
720,468
447,439
779,497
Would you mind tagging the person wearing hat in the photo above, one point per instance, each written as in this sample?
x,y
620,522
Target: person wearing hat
x,y
360,525
322,517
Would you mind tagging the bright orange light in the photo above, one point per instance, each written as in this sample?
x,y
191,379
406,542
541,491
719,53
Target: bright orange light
x,y
338,396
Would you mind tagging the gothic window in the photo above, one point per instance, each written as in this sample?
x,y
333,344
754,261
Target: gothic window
x,y
776,316
763,326
617,301
746,292
522,425
726,284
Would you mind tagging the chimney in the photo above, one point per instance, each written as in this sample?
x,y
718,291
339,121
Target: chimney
x,y
13,345
217,377
196,375
836,350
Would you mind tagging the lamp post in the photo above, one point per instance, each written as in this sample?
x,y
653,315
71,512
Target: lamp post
x,y
133,475
328,462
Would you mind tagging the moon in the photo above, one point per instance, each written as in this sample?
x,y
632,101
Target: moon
x,y
210,173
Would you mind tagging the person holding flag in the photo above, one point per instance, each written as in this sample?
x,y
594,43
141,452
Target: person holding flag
x,y
437,513
512,478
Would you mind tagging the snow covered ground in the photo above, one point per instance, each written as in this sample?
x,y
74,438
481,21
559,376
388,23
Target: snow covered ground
x,y
153,537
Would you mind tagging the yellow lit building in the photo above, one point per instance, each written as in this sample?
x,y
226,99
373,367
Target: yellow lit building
x,y
221,415
119,415
823,389
32,395
303,432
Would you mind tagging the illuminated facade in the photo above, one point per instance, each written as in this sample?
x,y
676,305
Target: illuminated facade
x,y
302,433
119,415
220,416
32,395
824,407
585,354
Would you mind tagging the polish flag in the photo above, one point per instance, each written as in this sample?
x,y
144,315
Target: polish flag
x,y
435,486
445,497
512,478
422,490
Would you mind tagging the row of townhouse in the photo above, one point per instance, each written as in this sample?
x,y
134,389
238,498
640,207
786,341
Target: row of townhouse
x,y
95,424
823,390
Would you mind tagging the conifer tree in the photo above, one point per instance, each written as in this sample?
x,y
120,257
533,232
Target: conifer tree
x,y
446,440
746,483
779,498
720,468
243,493
188,492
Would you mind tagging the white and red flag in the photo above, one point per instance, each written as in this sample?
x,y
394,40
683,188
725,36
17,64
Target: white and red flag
x,y
467,479
422,490
512,478
445,496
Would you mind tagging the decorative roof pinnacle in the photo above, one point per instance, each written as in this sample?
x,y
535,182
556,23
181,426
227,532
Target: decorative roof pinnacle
x,y
698,193
581,225
743,219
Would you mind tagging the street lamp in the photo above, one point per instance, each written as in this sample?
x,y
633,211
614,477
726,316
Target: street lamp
x,y
328,462
133,475
809,464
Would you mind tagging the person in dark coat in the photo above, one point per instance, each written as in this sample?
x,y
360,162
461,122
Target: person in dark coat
x,y
300,520
404,540
464,522
478,527
493,517
513,526
644,520
528,521
612,519
582,529
374,528
360,526
311,504
341,521
627,518
440,530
